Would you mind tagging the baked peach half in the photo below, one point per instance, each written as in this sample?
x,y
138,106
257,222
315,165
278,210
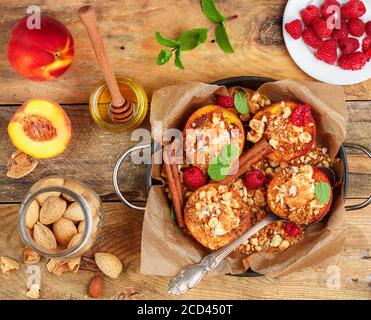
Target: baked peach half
x,y
208,130
289,128
40,128
300,194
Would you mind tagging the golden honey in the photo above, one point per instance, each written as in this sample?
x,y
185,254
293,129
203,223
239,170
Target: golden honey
x,y
100,104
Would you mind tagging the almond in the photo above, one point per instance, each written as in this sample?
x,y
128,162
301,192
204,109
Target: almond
x,y
74,240
81,226
64,230
75,187
94,204
30,256
8,265
20,164
74,264
32,214
96,287
58,266
52,210
49,182
74,212
44,237
109,264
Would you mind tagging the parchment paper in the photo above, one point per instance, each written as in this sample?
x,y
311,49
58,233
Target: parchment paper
x,y
166,249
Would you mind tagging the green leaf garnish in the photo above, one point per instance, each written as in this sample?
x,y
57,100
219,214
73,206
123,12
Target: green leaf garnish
x,y
322,191
240,102
192,39
211,11
229,153
217,170
178,59
222,38
166,42
172,214
164,56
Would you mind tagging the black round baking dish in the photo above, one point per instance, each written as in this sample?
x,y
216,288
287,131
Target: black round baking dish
x,y
252,83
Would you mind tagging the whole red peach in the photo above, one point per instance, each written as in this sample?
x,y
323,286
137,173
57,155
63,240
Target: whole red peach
x,y
40,54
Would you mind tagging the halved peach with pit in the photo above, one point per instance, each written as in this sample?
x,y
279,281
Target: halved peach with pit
x,y
40,128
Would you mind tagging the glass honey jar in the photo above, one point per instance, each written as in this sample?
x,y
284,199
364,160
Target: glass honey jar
x,y
60,217
100,104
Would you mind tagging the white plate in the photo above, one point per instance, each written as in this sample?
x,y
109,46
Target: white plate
x,y
303,55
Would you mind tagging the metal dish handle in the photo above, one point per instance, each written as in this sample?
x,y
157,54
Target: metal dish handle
x,y
368,153
115,176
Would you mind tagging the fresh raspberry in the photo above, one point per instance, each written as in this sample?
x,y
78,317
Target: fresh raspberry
x,y
356,27
348,45
194,178
311,39
366,47
341,33
327,52
309,13
352,61
353,9
225,101
254,179
368,28
326,12
301,116
320,28
294,28
292,229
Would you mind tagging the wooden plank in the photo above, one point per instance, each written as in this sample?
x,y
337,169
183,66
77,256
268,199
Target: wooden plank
x,y
255,35
90,157
121,236
95,150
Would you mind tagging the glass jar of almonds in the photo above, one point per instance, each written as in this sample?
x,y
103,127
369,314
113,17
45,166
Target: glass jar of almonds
x,y
60,217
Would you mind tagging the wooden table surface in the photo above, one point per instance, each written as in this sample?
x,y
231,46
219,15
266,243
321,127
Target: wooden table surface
x,y
128,29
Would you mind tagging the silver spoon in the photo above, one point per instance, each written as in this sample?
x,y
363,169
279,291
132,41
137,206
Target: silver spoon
x,y
191,275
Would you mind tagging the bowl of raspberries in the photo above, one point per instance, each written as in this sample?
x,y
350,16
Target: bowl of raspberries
x,y
330,39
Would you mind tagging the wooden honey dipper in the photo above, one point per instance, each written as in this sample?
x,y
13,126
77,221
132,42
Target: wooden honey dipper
x,y
121,109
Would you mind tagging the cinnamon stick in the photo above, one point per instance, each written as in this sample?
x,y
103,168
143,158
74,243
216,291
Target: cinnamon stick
x,y
251,157
173,179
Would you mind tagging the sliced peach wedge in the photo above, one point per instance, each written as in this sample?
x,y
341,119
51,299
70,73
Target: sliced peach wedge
x,y
40,128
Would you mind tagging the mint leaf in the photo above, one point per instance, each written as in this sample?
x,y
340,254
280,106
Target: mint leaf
x,y
166,42
172,214
210,10
240,103
178,59
164,56
217,170
192,39
322,191
222,38
229,153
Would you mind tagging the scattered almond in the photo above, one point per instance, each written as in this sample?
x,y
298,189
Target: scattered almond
x,y
55,182
74,264
8,265
64,230
75,187
34,291
58,266
44,237
109,264
52,210
30,256
32,214
20,164
74,212
96,287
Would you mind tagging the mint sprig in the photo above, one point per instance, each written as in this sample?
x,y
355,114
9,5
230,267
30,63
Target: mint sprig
x,y
193,38
322,191
240,103
219,167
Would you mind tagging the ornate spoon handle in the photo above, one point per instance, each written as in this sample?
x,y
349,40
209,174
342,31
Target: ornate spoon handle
x,y
190,276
